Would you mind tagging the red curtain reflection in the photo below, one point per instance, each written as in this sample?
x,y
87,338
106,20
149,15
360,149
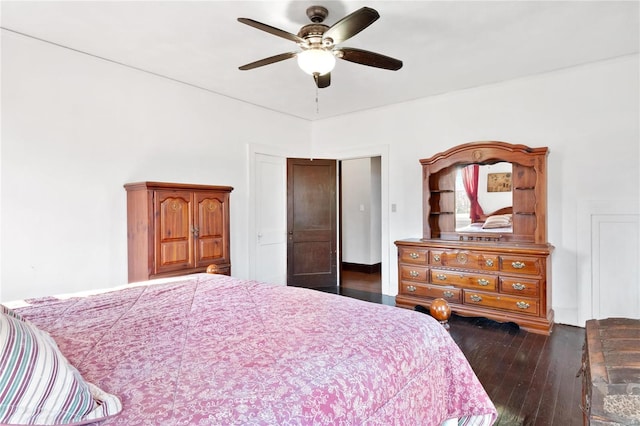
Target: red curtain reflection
x,y
470,180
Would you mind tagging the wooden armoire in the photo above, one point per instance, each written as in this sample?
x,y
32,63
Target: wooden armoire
x,y
176,229
503,275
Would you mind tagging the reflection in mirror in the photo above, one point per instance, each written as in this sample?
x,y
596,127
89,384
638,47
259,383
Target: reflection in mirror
x,y
483,191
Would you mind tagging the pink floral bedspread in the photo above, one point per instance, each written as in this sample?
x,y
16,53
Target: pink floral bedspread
x,y
215,350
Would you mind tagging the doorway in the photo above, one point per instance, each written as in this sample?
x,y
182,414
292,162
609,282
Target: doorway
x,y
361,224
268,213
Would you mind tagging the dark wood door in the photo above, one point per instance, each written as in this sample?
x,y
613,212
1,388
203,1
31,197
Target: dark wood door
x,y
311,223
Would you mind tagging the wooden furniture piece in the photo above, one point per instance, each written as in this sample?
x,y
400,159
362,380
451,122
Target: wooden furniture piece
x,y
611,372
176,229
504,276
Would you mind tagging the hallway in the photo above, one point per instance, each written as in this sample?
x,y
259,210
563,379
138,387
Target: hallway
x,y
362,281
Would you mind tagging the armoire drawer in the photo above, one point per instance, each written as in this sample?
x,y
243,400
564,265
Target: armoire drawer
x,y
521,265
464,279
464,259
519,286
413,273
521,305
413,255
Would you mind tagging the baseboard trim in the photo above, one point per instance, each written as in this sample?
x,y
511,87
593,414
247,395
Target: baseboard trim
x,y
376,268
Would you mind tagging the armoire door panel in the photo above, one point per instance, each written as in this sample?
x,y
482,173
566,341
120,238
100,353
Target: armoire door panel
x,y
209,222
210,250
174,255
174,239
210,218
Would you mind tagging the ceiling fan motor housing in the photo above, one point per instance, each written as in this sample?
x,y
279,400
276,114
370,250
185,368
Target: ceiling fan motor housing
x,y
313,33
317,14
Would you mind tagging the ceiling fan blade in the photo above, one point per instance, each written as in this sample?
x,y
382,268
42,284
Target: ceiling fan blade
x,y
351,25
271,30
371,59
267,61
322,81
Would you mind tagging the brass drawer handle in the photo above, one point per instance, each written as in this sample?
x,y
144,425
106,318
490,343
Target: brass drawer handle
x,y
518,286
436,258
522,305
448,294
518,265
475,298
414,273
441,277
414,255
483,282
488,262
411,288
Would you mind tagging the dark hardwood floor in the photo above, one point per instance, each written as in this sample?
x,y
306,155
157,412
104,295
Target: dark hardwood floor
x,y
532,379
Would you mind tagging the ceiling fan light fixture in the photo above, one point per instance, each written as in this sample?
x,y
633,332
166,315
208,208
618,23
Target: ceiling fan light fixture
x,y
316,61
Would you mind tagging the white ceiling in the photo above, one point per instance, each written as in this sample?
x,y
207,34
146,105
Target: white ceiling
x,y
445,45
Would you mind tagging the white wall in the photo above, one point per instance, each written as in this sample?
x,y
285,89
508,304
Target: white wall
x,y
76,128
587,116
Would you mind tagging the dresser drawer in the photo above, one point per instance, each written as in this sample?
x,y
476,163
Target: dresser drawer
x,y
522,305
450,294
413,255
464,259
520,286
413,289
464,279
413,273
431,291
521,265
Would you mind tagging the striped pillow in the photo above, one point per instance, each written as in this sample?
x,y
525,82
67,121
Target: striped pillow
x,y
38,386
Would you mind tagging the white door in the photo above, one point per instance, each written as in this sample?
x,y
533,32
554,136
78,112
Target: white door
x,y
270,188
616,292
608,254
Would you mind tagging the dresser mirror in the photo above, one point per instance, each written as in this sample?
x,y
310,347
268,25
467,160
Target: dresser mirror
x,y
511,187
482,192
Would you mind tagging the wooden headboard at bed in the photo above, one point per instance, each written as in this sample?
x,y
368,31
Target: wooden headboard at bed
x,y
504,210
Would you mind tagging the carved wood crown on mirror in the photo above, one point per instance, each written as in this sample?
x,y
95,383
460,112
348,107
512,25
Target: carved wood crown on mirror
x,y
498,274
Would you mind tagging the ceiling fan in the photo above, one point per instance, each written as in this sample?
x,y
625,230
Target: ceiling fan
x,y
318,41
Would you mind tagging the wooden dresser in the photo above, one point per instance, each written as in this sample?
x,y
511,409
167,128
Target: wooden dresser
x,y
611,372
505,276
506,283
176,229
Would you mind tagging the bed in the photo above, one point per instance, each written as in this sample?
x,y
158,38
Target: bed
x,y
490,228
210,349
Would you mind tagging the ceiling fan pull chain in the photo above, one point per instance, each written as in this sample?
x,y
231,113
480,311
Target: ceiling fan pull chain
x,y
317,103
